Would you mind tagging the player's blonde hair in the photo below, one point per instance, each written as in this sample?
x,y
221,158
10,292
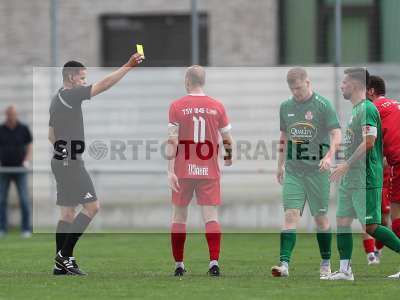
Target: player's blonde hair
x,y
295,74
196,75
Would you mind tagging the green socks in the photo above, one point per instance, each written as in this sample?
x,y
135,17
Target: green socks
x,y
324,239
382,234
344,238
387,237
288,240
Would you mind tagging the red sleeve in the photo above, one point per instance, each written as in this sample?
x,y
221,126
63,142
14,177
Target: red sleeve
x,y
173,116
381,109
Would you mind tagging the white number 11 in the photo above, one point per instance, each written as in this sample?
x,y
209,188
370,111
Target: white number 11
x,y
199,136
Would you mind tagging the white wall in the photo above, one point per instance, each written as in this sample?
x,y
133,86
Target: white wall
x,y
135,190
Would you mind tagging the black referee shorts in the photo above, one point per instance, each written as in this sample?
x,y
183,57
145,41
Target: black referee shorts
x,y
74,185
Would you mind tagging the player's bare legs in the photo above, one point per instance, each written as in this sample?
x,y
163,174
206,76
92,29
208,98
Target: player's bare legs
x,y
324,238
292,217
213,236
322,222
209,213
67,214
288,241
179,214
178,236
91,209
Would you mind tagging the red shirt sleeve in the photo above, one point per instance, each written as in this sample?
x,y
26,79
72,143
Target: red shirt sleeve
x,y
173,116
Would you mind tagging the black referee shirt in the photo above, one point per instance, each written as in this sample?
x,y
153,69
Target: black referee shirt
x,y
66,114
13,143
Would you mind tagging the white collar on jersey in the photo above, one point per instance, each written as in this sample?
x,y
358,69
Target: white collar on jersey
x,y
198,95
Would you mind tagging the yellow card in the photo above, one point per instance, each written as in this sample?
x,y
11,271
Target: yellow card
x,y
139,49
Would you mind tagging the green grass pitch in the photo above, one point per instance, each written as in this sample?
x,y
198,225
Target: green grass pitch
x,y
139,266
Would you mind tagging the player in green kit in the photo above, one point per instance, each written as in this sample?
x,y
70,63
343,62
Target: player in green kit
x,y
310,135
361,175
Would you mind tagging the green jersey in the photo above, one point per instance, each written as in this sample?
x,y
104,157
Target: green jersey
x,y
366,172
307,126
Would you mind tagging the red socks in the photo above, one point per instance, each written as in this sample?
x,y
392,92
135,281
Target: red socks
x,y
178,238
379,245
213,236
369,245
396,227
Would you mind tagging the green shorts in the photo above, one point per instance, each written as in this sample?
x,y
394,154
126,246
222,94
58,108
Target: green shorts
x,y
363,204
314,188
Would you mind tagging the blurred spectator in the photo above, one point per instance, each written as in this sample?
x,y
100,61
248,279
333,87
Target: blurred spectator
x,y
15,152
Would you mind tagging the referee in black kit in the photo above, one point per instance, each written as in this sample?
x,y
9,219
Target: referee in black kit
x,y
66,133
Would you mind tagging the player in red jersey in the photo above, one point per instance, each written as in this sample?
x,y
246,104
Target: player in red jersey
x,y
196,124
389,111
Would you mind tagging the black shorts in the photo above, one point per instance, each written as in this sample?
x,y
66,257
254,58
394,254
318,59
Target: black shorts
x,y
74,185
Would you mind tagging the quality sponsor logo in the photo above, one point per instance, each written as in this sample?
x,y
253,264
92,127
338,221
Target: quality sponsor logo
x,y
302,132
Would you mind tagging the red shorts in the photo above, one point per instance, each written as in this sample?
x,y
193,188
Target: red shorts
x,y
395,186
207,192
386,190
385,200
